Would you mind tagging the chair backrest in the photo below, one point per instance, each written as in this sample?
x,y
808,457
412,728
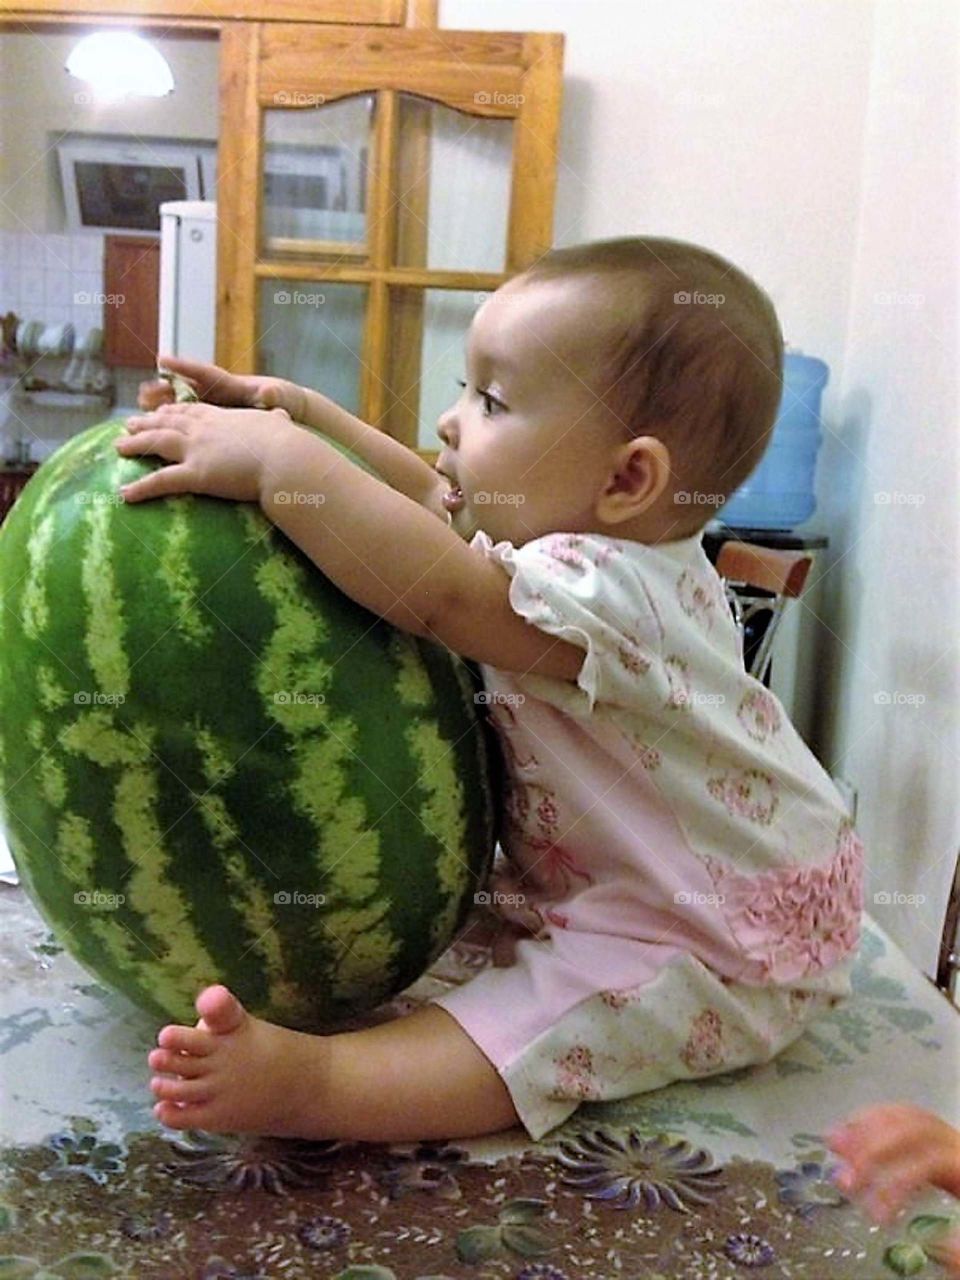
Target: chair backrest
x,y
761,579
782,572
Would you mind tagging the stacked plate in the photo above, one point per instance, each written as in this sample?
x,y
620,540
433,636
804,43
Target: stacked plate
x,y
36,339
85,370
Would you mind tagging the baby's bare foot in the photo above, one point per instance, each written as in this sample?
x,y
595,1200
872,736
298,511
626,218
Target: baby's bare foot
x,y
238,1074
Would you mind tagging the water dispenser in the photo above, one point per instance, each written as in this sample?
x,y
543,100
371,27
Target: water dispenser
x,y
779,494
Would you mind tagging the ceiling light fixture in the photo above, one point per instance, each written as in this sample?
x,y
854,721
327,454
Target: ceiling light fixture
x,y
118,64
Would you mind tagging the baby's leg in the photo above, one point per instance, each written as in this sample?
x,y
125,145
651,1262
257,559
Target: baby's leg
x,y
419,1076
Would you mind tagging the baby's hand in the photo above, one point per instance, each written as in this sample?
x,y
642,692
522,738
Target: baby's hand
x,y
218,386
217,451
892,1151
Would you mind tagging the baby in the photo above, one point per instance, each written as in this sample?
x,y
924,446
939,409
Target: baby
x,y
681,887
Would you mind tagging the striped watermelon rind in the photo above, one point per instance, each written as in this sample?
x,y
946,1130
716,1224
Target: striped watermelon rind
x,y
194,720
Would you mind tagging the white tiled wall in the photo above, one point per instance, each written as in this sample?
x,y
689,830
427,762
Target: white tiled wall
x,y
54,278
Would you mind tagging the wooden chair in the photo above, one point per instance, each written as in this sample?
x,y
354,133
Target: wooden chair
x,y
758,580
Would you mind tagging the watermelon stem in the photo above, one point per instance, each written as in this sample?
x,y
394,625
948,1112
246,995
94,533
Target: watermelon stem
x,y
182,391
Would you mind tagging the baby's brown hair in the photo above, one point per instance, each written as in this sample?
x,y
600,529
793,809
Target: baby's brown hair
x,y
704,376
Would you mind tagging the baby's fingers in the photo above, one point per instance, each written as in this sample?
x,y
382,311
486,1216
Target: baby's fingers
x,y
883,1136
164,442
946,1251
209,381
271,397
162,483
275,393
151,395
884,1196
170,417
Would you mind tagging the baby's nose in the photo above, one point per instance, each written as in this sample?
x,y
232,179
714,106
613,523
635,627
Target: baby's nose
x,y
447,428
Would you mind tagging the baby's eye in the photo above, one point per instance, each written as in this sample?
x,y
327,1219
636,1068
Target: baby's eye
x,y
491,405
490,402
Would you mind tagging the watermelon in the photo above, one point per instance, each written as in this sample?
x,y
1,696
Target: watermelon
x,y
215,766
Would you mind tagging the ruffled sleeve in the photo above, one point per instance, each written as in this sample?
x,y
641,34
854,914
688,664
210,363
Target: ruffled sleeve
x,y
585,589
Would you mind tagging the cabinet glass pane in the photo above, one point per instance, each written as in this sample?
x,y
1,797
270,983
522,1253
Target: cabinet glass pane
x,y
427,355
315,179
453,187
312,334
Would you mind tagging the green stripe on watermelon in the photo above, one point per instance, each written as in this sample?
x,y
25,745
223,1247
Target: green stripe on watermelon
x,y
454,683
443,807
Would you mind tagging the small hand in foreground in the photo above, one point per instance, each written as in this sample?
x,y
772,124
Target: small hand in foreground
x,y
220,452
890,1152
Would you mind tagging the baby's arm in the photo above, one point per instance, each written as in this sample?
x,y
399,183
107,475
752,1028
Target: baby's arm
x,y
893,1150
395,558
387,549
399,466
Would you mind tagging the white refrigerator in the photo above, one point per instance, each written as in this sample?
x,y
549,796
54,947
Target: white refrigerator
x,y
188,279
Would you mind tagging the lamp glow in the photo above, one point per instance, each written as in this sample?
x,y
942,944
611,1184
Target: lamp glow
x,y
118,63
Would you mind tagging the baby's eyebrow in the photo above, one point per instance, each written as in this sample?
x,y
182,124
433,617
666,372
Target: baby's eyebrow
x,y
498,362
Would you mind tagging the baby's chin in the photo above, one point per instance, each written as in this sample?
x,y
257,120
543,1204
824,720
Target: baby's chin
x,y
464,522
495,522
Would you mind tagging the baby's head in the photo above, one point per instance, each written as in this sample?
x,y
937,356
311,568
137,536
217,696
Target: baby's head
x,y
624,387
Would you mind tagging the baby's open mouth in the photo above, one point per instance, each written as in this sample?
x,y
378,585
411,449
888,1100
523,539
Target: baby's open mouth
x,y
453,499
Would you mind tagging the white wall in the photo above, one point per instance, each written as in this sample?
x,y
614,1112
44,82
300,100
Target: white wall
x,y
894,461
813,143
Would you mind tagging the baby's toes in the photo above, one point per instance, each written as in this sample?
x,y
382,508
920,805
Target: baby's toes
x,y
206,1116
178,1064
174,1117
194,1040
180,1090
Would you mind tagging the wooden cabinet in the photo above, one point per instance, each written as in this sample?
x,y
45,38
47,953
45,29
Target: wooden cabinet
x,y
131,283
417,80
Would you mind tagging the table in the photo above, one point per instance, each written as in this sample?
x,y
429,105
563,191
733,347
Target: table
x,y
718,1178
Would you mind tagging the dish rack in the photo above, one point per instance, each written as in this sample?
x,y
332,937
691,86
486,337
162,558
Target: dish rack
x,y
41,364
44,365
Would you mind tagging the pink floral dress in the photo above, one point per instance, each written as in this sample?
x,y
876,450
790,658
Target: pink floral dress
x,y
679,886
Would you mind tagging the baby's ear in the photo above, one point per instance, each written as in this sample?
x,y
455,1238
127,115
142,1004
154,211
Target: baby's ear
x,y
646,468
639,476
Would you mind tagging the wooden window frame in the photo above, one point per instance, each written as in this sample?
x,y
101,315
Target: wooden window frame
x,y
505,75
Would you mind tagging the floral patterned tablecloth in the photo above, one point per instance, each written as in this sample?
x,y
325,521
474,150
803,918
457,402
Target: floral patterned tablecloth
x,y
718,1178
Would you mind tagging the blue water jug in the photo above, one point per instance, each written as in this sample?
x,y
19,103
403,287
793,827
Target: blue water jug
x,y
780,492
